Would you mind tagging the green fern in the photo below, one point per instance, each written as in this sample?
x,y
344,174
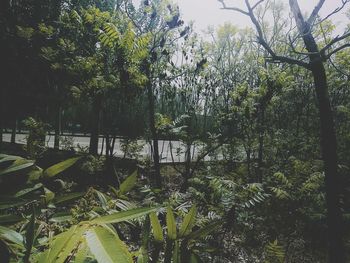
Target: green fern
x,y
274,253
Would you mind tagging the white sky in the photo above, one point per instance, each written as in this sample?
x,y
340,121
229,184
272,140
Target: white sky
x,y
208,12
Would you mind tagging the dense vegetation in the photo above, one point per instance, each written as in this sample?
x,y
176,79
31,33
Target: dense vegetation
x,y
262,114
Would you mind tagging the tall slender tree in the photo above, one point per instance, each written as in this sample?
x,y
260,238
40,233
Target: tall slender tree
x,y
313,59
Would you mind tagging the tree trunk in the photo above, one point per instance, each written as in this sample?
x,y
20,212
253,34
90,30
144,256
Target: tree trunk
x,y
261,145
248,156
1,120
58,127
14,131
329,155
328,140
157,177
187,173
95,126
1,132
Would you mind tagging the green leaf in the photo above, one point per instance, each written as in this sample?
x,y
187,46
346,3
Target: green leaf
x,y
128,184
195,258
10,202
60,167
28,190
82,252
11,236
9,158
102,198
49,195
35,174
30,236
171,223
157,228
176,253
67,197
200,233
18,165
123,216
61,217
10,219
71,244
106,246
142,255
188,222
57,245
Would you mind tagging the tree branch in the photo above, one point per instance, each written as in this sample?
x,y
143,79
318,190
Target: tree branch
x,y
261,38
232,8
337,50
334,41
338,9
315,12
258,3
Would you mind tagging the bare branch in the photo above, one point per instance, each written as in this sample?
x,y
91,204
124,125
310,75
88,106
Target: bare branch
x,y
291,44
258,3
232,8
337,10
334,41
261,39
338,69
315,12
337,50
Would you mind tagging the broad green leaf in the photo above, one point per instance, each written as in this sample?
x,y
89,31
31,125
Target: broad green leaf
x,y
142,255
9,158
204,231
106,246
123,216
35,174
176,253
18,165
10,202
11,236
195,258
157,228
67,197
61,217
71,244
28,190
128,184
9,219
60,167
188,222
102,198
49,195
82,252
30,236
171,223
57,245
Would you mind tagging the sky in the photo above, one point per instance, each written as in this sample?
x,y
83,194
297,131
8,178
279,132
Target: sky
x,y
206,13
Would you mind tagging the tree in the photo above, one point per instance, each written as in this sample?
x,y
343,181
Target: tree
x,y
313,59
160,20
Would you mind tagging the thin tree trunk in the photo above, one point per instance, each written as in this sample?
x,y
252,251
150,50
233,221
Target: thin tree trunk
x,y
329,155
1,132
58,127
187,173
107,144
248,154
14,131
328,140
261,146
157,177
1,120
95,129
